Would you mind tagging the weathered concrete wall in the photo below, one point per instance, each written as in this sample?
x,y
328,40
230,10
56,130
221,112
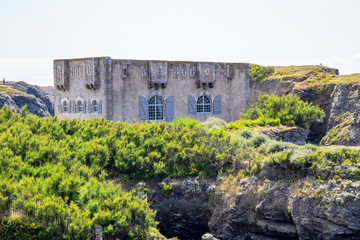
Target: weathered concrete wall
x,y
86,83
119,83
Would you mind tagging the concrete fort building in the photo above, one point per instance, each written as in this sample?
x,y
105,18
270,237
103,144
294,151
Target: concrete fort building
x,y
149,90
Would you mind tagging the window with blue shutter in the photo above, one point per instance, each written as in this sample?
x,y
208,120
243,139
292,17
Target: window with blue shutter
x,y
84,106
89,107
217,104
203,104
156,108
192,104
74,106
59,107
170,108
69,106
143,108
100,106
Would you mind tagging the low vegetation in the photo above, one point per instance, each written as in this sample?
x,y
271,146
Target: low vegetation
x,y
287,110
259,73
60,178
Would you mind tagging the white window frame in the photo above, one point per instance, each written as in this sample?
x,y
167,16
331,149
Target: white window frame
x,y
203,104
156,109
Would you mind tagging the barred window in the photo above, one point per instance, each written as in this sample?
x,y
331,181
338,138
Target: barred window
x,y
203,104
59,71
95,106
156,108
66,106
80,107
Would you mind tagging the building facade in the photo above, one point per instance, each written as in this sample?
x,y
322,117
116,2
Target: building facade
x,y
149,90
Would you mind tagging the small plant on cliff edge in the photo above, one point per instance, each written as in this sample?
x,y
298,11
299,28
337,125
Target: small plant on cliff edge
x,y
165,188
258,73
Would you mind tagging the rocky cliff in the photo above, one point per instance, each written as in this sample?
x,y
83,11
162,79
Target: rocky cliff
x,y
337,95
18,94
287,210
252,209
310,195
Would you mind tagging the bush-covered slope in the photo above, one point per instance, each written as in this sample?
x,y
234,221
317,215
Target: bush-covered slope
x,y
337,95
57,174
60,178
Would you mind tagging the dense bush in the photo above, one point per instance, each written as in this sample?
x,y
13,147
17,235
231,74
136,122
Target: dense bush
x,y
245,133
289,109
19,230
258,73
58,173
213,123
258,140
186,122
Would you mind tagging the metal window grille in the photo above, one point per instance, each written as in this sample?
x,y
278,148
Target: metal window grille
x,y
66,106
80,107
203,105
95,106
156,108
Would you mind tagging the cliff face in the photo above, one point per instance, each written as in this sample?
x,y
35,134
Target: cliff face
x,y
18,94
259,209
281,205
337,95
285,210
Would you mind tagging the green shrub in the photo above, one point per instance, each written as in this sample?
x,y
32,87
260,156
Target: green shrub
x,y
166,188
290,110
213,123
262,121
245,133
245,144
259,140
18,229
186,122
276,147
258,73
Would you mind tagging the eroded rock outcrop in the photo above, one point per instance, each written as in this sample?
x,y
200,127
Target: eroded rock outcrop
x,y
182,207
337,95
257,209
18,94
296,135
287,210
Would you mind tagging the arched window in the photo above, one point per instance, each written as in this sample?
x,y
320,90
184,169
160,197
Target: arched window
x,y
156,108
80,106
203,104
95,106
66,106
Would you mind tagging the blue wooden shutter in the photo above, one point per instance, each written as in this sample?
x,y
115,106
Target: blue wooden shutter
x,y
84,106
69,107
192,104
59,106
170,108
217,104
143,108
89,107
100,106
74,106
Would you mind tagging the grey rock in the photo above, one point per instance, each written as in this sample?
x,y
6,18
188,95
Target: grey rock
x,y
294,135
34,98
208,236
36,91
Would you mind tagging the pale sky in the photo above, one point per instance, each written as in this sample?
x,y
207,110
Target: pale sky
x,y
266,32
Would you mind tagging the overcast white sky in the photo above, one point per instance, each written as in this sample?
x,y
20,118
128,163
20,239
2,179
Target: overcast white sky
x,y
266,32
